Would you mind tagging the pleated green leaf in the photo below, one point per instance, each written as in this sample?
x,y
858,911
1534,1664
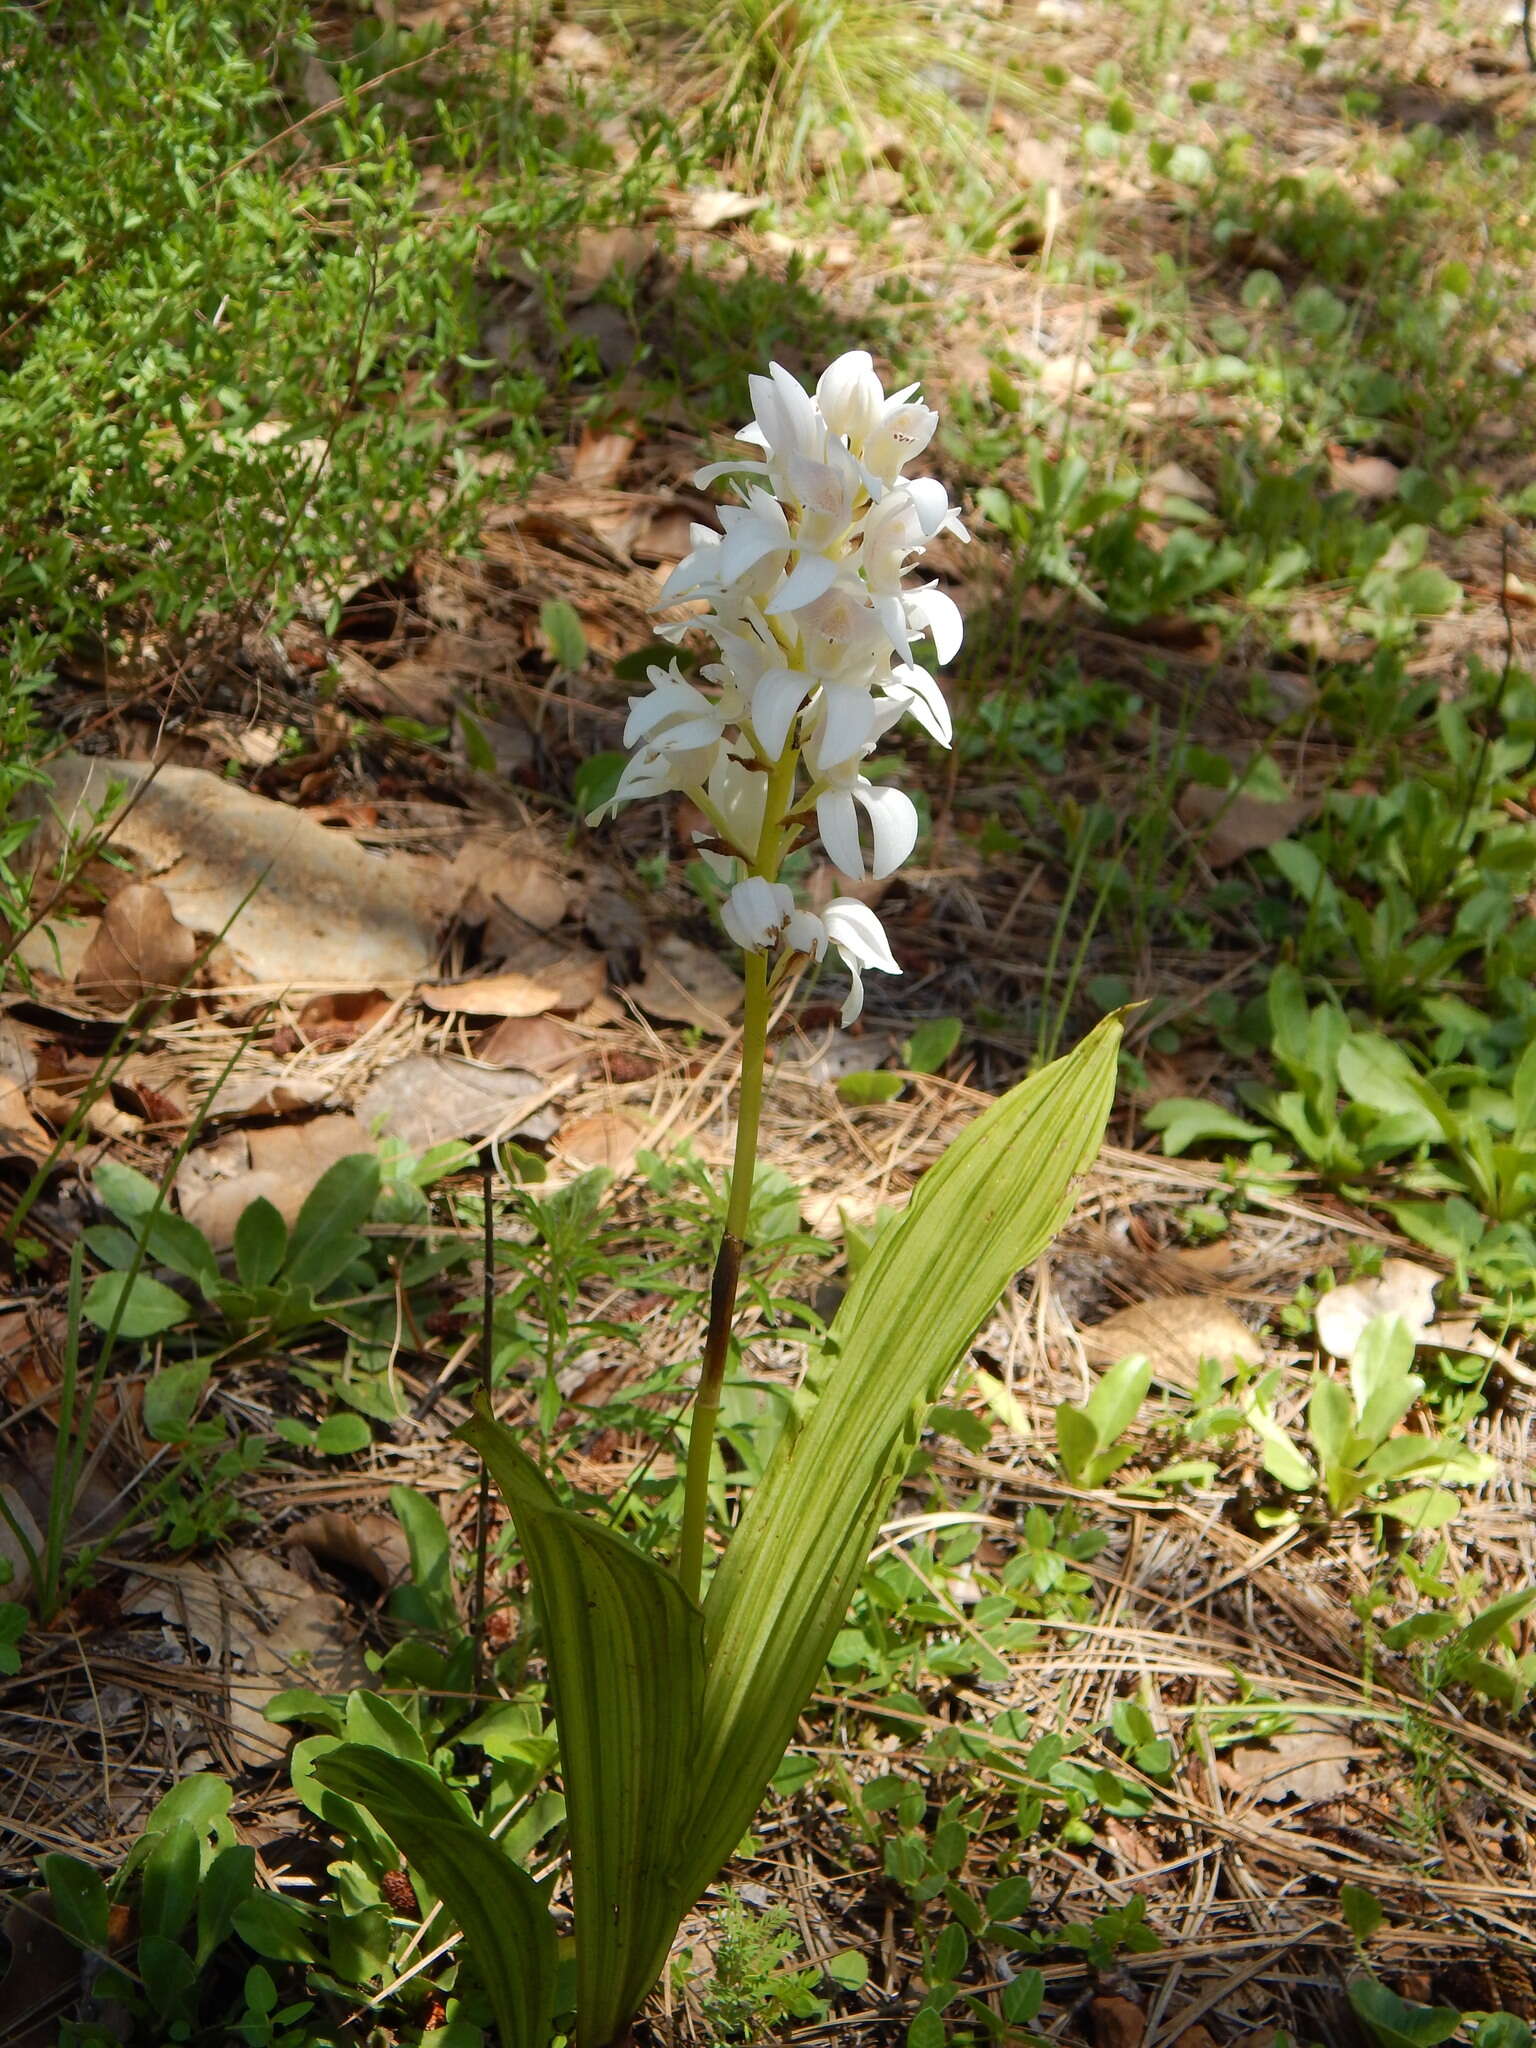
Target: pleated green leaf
x,y
992,1203
625,1649
503,1914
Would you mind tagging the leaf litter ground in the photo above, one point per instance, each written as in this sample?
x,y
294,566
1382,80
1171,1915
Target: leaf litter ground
x,y
518,983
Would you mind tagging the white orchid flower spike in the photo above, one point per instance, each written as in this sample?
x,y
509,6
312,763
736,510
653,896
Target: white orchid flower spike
x,y
818,633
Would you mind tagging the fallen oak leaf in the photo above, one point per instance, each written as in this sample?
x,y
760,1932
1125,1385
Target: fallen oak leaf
x,y
138,950
1232,826
493,995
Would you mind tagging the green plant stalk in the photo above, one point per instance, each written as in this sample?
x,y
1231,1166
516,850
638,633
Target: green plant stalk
x,y
733,1240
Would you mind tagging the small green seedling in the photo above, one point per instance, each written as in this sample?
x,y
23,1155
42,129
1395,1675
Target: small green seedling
x,y
1088,1438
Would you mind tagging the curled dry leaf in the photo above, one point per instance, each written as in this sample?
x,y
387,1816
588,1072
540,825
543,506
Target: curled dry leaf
x,y
540,1045
709,210
330,1021
1402,1288
517,887
21,1135
217,1183
493,995
139,950
372,1544
1310,1764
687,984
1175,1331
600,458
1230,826
578,976
425,1100
264,1627
1366,476
607,1140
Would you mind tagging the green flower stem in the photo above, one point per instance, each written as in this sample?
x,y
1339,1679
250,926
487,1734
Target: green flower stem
x,y
733,1241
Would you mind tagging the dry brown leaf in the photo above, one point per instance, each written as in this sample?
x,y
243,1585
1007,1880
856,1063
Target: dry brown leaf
x,y
1195,2037
1366,476
608,1139
217,1183
267,1095
1175,1331
709,210
327,1022
139,949
299,905
1231,826
600,252
1116,2022
687,984
372,1544
1310,1764
539,1045
264,1627
424,1100
1402,1288
493,995
575,48
301,1152
881,185
21,1135
664,539
1312,630
576,974
521,888
47,1975
1173,480
600,458
422,686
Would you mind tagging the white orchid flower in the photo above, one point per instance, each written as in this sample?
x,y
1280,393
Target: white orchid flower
x,y
843,790
850,396
857,934
756,912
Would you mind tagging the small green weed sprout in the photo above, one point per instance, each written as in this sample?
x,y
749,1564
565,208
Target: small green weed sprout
x,y
753,1988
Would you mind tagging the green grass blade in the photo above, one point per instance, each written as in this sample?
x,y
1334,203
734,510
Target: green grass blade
x,y
992,1203
503,1914
625,1648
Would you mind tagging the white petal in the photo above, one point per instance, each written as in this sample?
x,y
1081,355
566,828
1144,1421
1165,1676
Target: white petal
x,y
930,501
892,614
741,465
849,721
921,696
855,1002
750,538
740,796
893,825
934,611
858,934
838,823
805,933
775,702
812,577
756,911
850,394
902,432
